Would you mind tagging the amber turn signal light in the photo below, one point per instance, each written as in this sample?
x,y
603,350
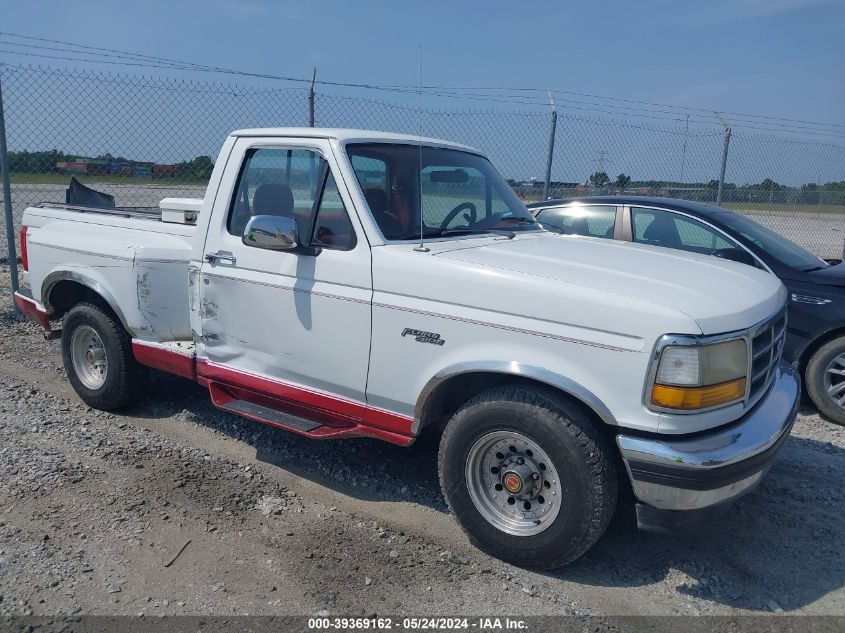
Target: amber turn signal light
x,y
692,398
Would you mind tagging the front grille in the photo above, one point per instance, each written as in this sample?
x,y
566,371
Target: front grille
x,y
766,349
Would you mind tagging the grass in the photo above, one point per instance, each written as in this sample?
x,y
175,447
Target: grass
x,y
789,208
64,179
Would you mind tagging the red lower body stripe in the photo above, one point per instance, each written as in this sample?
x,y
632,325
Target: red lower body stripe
x,y
164,359
345,410
338,416
31,309
340,409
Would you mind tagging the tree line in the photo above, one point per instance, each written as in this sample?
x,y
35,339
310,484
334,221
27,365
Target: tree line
x,y
44,162
199,168
623,182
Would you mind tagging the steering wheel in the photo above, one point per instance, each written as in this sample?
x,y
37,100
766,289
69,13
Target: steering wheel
x,y
469,217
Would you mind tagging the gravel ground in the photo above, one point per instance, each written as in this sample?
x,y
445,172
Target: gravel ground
x,y
97,508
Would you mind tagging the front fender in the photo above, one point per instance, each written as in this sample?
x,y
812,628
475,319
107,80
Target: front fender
x,y
517,370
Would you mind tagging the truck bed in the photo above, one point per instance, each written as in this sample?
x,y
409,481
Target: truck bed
x,y
139,260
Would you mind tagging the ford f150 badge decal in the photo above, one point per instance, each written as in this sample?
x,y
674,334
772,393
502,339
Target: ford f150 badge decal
x,y
424,337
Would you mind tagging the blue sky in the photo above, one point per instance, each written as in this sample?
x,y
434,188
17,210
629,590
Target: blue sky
x,y
778,57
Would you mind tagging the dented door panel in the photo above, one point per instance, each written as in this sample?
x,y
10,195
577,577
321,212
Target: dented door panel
x,y
291,317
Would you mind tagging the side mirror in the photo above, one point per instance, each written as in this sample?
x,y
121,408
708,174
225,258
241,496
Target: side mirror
x,y
271,232
736,255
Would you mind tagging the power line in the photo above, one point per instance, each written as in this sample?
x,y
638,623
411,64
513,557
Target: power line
x,y
525,97
107,50
97,61
651,114
41,47
658,117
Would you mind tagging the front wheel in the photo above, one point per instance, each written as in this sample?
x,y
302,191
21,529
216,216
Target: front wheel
x,y
825,379
98,359
528,475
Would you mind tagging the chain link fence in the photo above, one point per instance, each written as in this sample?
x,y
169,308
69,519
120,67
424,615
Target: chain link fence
x,y
144,138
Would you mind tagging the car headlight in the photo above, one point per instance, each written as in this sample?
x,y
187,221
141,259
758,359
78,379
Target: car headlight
x,y
694,377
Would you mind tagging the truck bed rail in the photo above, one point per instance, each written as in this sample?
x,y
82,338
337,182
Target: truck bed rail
x,y
149,213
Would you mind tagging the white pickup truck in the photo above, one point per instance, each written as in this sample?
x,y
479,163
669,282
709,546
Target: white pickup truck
x,y
343,283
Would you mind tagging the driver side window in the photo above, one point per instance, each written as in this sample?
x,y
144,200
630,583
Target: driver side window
x,y
276,181
287,182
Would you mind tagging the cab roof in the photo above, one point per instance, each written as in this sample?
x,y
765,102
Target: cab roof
x,y
345,135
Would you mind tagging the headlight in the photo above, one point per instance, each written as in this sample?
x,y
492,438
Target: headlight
x,y
692,377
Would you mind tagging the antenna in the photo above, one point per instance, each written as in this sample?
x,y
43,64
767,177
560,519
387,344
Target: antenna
x,y
422,248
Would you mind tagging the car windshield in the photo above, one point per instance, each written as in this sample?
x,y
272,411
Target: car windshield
x,y
454,192
784,251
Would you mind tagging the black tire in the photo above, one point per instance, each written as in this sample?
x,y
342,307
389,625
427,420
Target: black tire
x,y
581,454
125,378
814,379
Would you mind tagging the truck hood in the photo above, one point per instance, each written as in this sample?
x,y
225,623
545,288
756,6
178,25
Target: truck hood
x,y
719,295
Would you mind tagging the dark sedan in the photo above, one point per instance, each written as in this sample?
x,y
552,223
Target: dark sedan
x,y
816,322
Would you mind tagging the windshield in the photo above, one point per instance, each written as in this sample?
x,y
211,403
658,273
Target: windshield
x,y
459,192
784,251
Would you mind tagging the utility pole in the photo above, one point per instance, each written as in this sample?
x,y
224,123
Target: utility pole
x,y
311,99
549,158
7,200
602,157
684,153
724,159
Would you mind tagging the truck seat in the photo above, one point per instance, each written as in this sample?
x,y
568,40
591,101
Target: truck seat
x,y
273,199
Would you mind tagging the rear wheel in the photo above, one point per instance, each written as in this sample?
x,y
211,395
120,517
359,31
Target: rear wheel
x,y
98,359
528,475
825,379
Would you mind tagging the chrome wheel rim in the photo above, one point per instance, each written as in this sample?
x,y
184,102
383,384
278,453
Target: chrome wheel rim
x,y
513,483
89,357
834,380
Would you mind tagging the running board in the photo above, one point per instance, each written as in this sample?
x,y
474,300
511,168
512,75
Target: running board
x,y
269,415
295,416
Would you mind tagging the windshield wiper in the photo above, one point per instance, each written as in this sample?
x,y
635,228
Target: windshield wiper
x,y
519,220
416,235
473,231
509,234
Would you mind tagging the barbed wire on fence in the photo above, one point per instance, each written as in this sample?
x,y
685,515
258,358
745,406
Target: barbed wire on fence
x,y
137,136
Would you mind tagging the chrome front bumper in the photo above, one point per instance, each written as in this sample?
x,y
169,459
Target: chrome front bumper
x,y
695,473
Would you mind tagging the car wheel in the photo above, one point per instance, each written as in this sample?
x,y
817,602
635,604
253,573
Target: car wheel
x,y
825,379
98,359
528,475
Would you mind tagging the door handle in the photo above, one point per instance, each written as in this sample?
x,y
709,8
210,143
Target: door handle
x,y
221,256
